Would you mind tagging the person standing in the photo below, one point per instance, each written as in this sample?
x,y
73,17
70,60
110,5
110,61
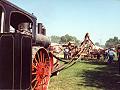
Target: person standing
x,y
111,55
106,54
66,53
98,55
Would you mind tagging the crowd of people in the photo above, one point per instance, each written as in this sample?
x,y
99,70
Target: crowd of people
x,y
108,54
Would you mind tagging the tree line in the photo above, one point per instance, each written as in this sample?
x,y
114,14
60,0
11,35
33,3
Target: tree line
x,y
111,42
64,39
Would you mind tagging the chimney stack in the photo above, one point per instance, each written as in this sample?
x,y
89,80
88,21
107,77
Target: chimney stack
x,y
41,29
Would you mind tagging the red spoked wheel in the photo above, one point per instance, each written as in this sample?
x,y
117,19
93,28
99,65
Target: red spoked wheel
x,y
41,70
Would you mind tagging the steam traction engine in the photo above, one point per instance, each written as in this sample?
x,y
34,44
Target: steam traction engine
x,y
19,67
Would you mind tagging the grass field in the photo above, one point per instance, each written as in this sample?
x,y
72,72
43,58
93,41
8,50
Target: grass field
x,y
87,75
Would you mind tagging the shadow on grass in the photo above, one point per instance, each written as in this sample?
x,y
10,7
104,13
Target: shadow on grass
x,y
103,77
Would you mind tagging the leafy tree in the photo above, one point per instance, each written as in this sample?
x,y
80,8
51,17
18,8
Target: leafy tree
x,y
63,39
55,39
76,40
112,42
69,38
97,44
66,38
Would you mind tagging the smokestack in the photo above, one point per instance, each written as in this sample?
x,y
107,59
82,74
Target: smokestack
x,y
39,28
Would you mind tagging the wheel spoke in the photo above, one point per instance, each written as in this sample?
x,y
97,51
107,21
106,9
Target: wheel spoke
x,y
41,56
34,73
35,85
38,57
45,60
44,81
34,80
34,66
36,60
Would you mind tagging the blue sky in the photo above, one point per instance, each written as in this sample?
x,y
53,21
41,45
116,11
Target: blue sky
x,y
100,18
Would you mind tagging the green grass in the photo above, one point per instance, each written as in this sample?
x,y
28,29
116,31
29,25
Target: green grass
x,y
87,75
